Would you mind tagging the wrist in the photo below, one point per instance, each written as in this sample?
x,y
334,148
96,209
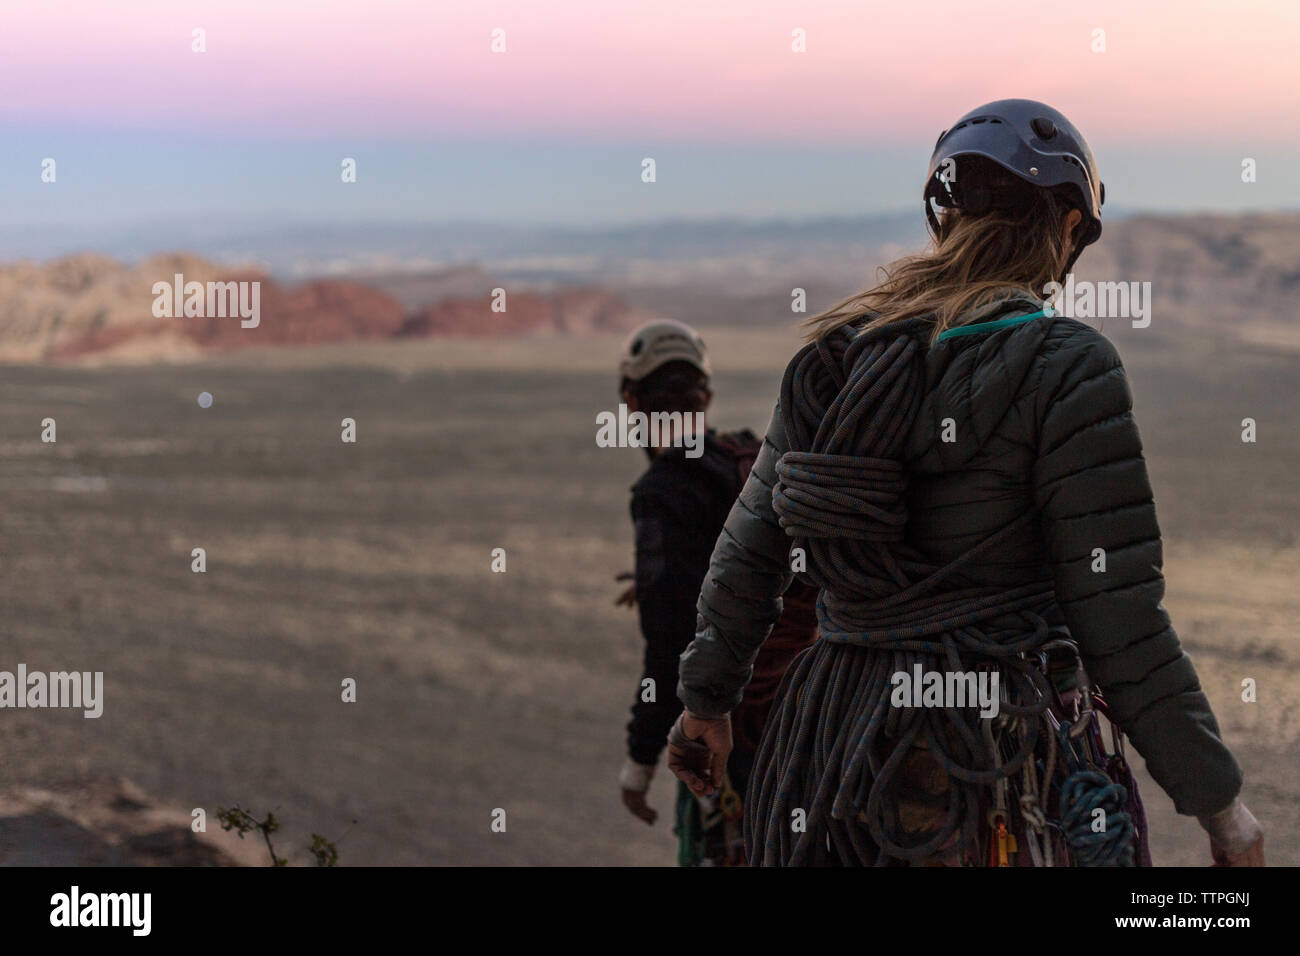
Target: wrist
x,y
635,776
1234,829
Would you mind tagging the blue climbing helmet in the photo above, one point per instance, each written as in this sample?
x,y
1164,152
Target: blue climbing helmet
x,y
1028,139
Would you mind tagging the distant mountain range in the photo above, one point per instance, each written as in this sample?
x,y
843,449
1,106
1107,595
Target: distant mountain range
x,y
1237,276
90,305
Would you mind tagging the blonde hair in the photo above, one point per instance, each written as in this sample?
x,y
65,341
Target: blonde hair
x,y
972,261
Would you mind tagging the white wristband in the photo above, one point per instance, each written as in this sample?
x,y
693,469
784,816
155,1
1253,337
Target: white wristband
x,y
636,776
1233,830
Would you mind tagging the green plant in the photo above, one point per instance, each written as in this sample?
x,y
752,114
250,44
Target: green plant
x,y
243,822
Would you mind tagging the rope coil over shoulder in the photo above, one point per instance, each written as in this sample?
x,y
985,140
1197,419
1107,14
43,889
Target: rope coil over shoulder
x,y
836,749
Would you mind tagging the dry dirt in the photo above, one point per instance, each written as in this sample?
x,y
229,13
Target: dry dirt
x,y
475,690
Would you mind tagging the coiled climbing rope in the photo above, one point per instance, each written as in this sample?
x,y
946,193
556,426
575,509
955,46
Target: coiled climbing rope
x,y
1082,794
827,780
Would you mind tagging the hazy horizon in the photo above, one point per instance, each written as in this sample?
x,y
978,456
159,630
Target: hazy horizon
x,y
147,133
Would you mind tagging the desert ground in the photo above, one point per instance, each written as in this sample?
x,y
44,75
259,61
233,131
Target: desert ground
x,y
479,691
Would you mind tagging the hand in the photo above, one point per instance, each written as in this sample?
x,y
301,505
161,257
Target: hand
x,y
628,597
1253,855
698,748
634,781
634,800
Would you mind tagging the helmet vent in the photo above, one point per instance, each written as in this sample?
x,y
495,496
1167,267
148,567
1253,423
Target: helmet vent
x,y
1043,128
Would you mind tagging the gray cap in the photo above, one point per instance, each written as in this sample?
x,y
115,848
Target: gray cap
x,y
657,343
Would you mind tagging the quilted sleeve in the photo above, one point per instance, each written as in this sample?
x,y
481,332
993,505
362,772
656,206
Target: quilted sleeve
x,y
1090,483
741,597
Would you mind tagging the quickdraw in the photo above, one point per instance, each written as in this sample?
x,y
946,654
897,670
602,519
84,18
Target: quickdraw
x,y
709,828
1081,809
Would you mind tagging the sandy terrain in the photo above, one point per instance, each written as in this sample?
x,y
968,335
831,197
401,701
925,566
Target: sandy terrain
x,y
478,691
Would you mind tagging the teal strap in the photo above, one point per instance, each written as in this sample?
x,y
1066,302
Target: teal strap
x,y
977,327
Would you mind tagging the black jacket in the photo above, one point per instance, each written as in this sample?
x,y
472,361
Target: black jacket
x,y
1043,419
678,508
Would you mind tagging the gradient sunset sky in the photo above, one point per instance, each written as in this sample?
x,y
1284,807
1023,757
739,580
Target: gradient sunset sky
x,y
554,129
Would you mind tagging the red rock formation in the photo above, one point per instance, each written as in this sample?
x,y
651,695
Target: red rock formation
x,y
90,305
525,312
568,311
313,313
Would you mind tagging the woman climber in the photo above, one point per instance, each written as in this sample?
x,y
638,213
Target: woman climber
x,y
958,470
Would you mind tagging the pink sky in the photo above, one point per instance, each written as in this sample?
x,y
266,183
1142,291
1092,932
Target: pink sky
x,y
695,71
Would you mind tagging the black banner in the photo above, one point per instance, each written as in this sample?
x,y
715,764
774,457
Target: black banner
x,y
937,908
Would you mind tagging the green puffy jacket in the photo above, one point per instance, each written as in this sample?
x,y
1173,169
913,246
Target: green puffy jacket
x,y
1043,420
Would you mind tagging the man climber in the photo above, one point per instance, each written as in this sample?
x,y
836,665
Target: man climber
x,y
678,508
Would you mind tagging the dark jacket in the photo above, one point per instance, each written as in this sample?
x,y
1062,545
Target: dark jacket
x,y
1043,420
678,509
